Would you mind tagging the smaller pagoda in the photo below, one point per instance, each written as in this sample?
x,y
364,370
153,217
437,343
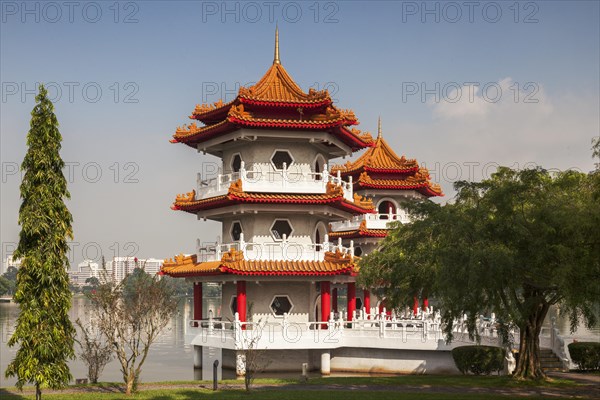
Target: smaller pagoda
x,y
389,180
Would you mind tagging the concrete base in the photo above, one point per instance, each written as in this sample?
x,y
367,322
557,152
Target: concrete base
x,y
209,356
393,361
351,359
326,362
197,357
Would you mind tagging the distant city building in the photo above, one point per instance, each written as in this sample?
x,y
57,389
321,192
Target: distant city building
x,y
116,269
120,267
85,270
10,262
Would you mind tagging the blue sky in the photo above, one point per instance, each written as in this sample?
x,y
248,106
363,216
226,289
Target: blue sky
x,y
161,58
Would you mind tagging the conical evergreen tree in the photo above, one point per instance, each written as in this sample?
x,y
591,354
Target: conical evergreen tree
x,y
44,333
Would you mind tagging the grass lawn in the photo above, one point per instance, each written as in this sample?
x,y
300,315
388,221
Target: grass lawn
x,y
189,394
380,388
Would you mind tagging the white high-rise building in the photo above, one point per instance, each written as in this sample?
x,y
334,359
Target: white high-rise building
x,y
120,267
151,266
85,270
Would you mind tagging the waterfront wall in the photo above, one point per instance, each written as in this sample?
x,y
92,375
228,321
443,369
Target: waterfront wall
x,y
355,360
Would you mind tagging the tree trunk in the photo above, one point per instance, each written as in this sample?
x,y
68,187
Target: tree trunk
x,y
129,384
38,392
528,365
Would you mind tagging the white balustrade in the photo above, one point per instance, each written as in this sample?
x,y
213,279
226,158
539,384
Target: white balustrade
x,y
365,330
285,180
283,250
373,221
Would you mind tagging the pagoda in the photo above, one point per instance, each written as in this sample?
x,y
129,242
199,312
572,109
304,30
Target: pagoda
x,y
289,221
388,180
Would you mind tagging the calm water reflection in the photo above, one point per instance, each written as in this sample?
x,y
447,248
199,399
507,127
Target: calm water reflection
x,y
169,358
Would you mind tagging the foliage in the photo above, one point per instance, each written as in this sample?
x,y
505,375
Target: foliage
x,y
586,355
180,287
8,281
95,352
11,274
44,333
91,284
6,286
479,360
513,244
596,150
93,281
130,316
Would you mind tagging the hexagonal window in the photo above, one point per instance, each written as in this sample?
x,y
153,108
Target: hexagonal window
x,y
280,157
281,227
233,305
358,251
236,163
236,231
281,305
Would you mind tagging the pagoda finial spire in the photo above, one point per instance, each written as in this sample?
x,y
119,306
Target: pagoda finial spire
x,y
379,127
276,58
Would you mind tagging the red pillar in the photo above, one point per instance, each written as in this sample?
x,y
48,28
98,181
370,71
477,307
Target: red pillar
x,y
197,301
415,305
325,302
351,299
241,300
367,300
425,303
334,300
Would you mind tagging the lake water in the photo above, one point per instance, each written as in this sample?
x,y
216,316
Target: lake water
x,y
170,358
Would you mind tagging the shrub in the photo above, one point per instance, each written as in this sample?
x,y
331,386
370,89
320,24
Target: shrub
x,y
586,355
478,359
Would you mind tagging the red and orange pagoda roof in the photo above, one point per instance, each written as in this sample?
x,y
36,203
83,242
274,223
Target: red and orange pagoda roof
x,y
233,263
274,102
334,196
361,232
380,168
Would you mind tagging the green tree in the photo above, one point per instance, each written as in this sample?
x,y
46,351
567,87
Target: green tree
x,y
11,274
514,244
6,286
131,315
44,333
181,287
93,281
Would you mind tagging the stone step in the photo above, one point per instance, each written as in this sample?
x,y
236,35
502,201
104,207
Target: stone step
x,y
553,369
555,364
549,361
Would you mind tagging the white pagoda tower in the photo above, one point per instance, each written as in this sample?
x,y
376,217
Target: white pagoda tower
x,y
293,228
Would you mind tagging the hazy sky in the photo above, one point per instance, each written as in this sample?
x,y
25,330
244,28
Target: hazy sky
x,y
461,86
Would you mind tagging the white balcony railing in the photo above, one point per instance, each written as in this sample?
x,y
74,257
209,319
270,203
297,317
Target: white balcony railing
x,y
368,328
283,250
273,181
373,221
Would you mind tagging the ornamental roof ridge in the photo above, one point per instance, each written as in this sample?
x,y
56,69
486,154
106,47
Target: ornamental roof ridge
x,y
419,180
379,157
278,86
205,108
